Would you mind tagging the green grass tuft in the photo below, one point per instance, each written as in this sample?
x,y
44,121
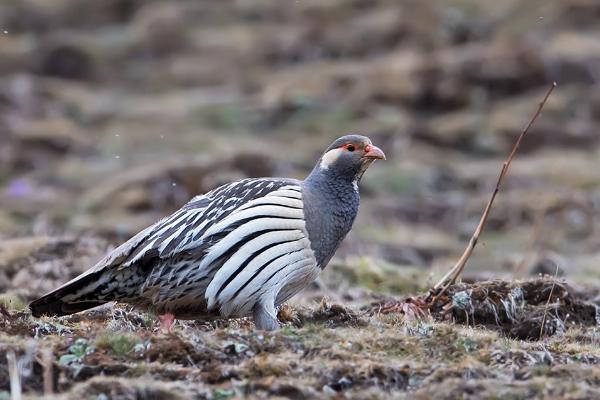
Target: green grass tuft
x,y
119,345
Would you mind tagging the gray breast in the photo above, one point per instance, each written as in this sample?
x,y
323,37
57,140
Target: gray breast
x,y
330,211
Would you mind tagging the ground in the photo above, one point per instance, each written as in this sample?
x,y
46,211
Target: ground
x,y
115,113
328,350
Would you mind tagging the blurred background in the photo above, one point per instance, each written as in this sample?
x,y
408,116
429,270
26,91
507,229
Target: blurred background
x,y
114,113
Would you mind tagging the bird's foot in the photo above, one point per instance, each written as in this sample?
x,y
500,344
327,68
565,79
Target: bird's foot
x,y
265,318
166,322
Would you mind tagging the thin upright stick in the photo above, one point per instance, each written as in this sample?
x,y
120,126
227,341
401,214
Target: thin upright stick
x,y
47,365
455,272
14,376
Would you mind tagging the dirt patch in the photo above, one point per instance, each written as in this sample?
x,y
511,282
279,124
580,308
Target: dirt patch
x,y
528,310
116,388
523,310
327,314
384,377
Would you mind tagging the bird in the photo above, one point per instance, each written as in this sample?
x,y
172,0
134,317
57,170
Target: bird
x,y
239,250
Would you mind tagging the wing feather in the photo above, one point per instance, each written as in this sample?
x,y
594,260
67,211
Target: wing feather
x,y
185,230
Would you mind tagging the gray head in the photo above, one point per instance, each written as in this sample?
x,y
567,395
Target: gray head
x,y
348,157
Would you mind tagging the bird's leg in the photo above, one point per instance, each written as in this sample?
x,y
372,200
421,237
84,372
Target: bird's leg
x,y
166,322
265,317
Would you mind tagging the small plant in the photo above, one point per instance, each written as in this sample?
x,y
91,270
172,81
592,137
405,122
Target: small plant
x,y
12,302
77,353
470,345
419,329
506,344
289,330
222,394
148,319
240,347
43,328
120,345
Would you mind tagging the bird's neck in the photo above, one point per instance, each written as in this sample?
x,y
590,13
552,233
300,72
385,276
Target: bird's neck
x,y
330,205
332,179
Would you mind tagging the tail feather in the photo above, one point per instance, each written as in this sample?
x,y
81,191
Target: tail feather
x,y
55,304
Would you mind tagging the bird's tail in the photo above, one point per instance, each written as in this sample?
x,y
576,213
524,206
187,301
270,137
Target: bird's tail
x,y
74,296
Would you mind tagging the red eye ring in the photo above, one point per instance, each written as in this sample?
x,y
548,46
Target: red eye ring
x,y
350,147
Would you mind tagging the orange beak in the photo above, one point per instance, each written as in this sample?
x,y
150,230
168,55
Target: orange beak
x,y
374,152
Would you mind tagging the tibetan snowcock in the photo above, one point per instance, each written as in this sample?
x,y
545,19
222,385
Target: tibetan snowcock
x,y
241,249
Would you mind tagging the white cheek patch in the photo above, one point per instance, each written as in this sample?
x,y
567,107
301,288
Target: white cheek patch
x,y
330,158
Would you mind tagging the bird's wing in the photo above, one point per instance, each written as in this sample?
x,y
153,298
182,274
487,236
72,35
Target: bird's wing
x,y
196,226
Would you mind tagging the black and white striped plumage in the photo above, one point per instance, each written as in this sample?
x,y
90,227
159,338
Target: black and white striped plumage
x,y
243,248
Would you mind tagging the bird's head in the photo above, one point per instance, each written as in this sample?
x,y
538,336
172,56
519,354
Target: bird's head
x,y
349,157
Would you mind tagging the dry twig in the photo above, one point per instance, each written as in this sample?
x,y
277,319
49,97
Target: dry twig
x,y
455,272
14,376
47,365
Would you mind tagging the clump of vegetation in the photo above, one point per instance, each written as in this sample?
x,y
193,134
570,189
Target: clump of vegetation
x,y
331,315
120,345
380,276
76,353
12,302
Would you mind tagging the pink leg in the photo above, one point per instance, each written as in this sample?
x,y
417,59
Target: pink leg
x,y
166,322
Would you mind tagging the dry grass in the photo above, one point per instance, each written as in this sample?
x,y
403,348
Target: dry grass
x,y
324,350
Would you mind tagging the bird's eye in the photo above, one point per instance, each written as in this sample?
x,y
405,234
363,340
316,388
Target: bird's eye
x,y
350,147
